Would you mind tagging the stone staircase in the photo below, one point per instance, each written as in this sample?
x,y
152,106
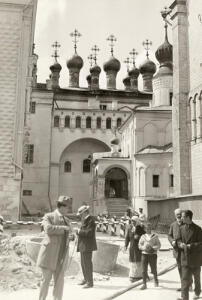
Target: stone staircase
x,y
117,206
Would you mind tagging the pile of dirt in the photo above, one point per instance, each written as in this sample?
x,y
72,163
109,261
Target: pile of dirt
x,y
17,271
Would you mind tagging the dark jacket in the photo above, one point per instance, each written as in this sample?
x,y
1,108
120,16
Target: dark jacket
x,y
174,235
86,236
191,235
133,239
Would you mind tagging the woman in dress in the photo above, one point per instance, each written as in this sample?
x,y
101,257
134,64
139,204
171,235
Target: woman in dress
x,y
133,234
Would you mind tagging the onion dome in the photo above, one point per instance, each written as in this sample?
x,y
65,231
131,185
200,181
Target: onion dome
x,y
147,66
95,69
164,53
112,64
134,72
75,62
56,67
126,82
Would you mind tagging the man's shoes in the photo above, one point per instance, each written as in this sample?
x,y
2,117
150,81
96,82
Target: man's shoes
x,y
144,287
179,290
82,282
196,297
156,283
88,286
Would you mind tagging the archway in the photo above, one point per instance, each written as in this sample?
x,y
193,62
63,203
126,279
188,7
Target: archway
x,y
116,183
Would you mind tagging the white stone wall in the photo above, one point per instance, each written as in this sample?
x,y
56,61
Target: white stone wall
x,y
16,34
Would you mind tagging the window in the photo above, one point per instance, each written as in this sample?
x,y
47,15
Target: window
x,y
27,192
108,123
118,122
78,122
67,121
155,181
103,107
171,99
171,179
29,154
99,122
86,165
67,167
56,121
88,122
32,107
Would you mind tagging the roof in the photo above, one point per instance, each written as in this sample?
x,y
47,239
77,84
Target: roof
x,y
152,149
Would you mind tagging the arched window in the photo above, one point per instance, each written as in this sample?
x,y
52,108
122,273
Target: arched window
x,y
118,122
78,122
108,123
67,121
86,165
88,122
99,122
67,167
56,121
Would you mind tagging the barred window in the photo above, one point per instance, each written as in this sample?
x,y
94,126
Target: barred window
x,y
108,123
67,121
86,165
99,122
29,154
27,192
32,107
88,122
78,122
67,167
56,121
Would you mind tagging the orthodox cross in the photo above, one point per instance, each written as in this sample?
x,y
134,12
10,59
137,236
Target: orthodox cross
x,y
76,35
127,62
133,54
164,13
55,46
112,40
95,50
146,44
90,58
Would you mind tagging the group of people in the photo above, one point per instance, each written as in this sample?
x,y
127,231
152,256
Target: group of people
x,y
186,239
143,247
53,257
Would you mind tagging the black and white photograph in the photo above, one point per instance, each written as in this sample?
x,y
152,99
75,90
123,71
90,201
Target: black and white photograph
x,y
100,149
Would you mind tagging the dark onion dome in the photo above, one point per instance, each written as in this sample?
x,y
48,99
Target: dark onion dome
x,y
56,67
115,141
147,66
134,72
95,69
126,81
112,64
164,54
88,78
75,62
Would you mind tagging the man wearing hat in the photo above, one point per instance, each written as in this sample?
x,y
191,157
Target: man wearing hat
x,y
86,244
53,254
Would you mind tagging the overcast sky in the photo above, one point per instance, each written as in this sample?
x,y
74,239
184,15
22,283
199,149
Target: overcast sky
x,y
131,21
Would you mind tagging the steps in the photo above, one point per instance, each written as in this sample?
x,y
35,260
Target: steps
x,y
116,206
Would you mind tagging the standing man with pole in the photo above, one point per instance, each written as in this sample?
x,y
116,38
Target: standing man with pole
x,y
54,252
86,245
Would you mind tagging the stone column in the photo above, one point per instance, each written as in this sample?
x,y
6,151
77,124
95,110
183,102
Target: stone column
x,y
181,145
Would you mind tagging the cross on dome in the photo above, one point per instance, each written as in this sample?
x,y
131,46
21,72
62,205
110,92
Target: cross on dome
x,y
146,44
133,54
55,46
164,13
76,35
90,58
95,51
112,40
127,62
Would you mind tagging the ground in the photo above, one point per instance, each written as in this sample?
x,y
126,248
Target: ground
x,y
18,271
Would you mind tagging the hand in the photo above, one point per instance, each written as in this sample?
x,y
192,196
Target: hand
x,y
182,245
173,243
188,246
136,236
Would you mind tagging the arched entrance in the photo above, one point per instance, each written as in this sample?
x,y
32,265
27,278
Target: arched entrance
x,y
116,183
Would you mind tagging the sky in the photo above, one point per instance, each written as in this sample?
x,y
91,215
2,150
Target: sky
x,y
130,21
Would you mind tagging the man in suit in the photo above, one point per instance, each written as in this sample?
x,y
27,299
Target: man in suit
x,y
53,254
173,236
190,242
86,244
